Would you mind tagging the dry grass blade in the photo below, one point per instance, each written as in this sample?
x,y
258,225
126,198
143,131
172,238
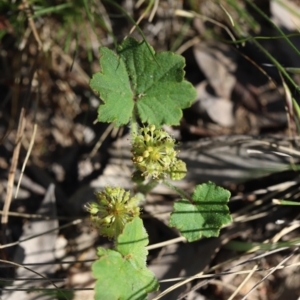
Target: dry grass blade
x,y
75,222
26,158
12,170
31,24
35,216
243,283
187,14
28,269
153,12
190,43
145,12
285,231
166,243
270,273
105,134
228,271
177,285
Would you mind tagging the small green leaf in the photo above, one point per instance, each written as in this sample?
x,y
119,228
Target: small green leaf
x,y
138,80
204,215
122,274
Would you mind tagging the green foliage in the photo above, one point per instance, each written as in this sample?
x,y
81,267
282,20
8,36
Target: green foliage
x,y
138,80
113,85
204,215
122,273
137,84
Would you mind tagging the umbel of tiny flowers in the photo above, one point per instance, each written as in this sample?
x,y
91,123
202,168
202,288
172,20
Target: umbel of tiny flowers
x,y
113,209
154,155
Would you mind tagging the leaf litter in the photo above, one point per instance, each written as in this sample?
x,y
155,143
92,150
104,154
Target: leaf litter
x,y
67,107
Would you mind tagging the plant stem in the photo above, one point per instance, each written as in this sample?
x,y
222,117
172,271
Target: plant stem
x,y
133,124
178,191
146,188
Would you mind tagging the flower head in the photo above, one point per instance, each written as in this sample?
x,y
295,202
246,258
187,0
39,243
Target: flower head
x,y
113,209
178,170
154,153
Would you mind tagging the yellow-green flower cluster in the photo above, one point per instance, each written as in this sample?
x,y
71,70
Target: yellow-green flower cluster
x,y
154,154
113,209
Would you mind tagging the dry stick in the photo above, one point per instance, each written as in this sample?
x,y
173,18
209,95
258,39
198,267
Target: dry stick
x,y
190,43
201,274
104,135
31,24
26,158
11,175
143,15
40,46
138,22
243,283
175,286
190,14
31,140
235,290
166,243
209,277
285,231
154,10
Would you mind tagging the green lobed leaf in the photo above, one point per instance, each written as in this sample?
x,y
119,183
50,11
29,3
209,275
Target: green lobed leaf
x,y
122,274
153,84
113,85
205,216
